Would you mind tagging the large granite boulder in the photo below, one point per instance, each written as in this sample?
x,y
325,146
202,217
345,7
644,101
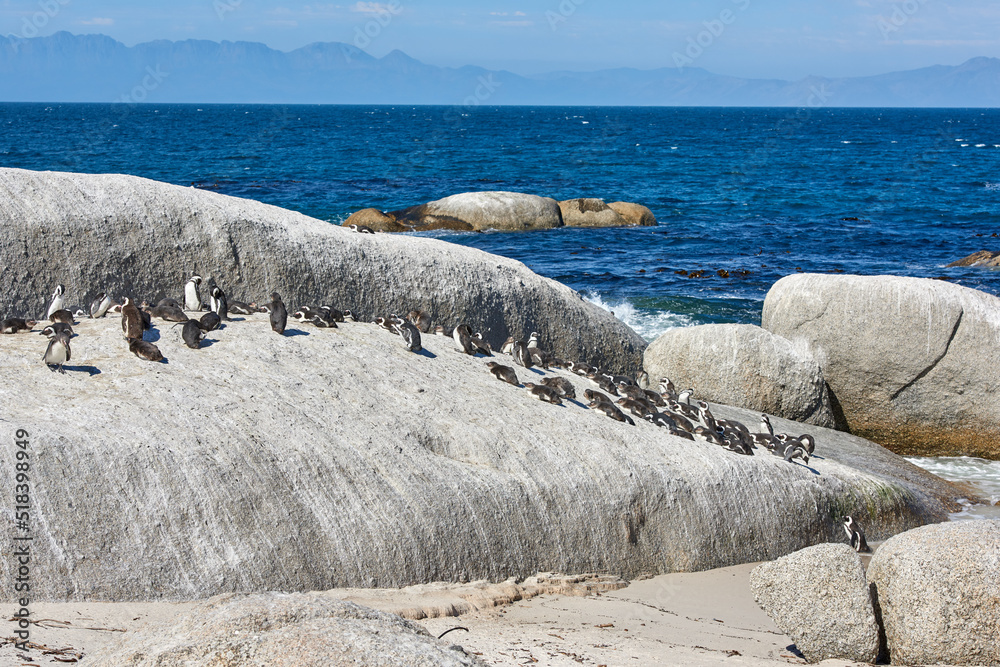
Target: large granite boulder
x,y
377,220
505,211
589,213
329,458
983,258
132,236
939,592
911,363
745,366
281,630
635,215
819,597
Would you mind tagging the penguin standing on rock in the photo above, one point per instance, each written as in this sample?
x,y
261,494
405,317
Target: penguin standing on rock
x,y
219,304
463,339
192,334
192,300
522,355
132,322
856,535
58,352
279,316
409,333
58,301
99,306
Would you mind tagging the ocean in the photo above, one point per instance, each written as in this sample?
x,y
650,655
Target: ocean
x,y
755,193
743,196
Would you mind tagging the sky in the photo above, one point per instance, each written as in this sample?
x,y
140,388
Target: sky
x,y
783,39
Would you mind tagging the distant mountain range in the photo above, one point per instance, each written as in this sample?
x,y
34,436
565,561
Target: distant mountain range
x,y
95,68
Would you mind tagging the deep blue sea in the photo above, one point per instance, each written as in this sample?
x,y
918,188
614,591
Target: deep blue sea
x,y
759,193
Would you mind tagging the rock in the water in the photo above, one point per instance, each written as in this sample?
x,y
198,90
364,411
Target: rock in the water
x,y
984,258
505,211
281,630
939,591
911,362
819,597
337,458
379,221
135,237
744,366
589,213
635,215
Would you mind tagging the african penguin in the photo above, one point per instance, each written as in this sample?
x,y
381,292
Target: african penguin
x,y
132,322
279,316
58,301
145,350
192,299
58,352
503,373
856,535
192,334
219,304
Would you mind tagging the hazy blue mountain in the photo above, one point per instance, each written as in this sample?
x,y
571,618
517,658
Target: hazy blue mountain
x,y
96,68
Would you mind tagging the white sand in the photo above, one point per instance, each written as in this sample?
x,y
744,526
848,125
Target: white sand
x,y
703,618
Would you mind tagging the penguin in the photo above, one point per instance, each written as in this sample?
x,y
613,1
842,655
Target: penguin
x,y
410,335
562,386
667,389
386,323
463,339
58,301
304,314
596,397
56,328
637,408
361,229
707,435
602,382
533,340
795,451
421,320
655,398
684,398
326,318
631,391
218,302
441,331
504,373
508,346
78,313
173,303
522,356
61,315
58,352
581,368
332,314
611,410
349,316
240,308
765,438
661,419
145,350
169,313
279,316
192,334
539,357
13,325
132,322
192,299
808,443
481,345
543,393
209,322
856,535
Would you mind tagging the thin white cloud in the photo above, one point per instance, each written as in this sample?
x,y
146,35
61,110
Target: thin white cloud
x,y
98,21
372,8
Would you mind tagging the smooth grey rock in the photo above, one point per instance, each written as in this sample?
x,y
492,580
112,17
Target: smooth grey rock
x,y
819,597
939,591
913,363
506,211
280,630
132,236
336,458
744,366
589,213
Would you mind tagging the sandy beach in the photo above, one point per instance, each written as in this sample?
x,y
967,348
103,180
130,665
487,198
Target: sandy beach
x,y
701,618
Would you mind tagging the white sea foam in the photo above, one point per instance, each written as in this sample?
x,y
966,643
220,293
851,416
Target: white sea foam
x,y
982,474
648,323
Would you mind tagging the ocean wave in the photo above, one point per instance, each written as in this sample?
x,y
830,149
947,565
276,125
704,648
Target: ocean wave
x,y
648,323
984,475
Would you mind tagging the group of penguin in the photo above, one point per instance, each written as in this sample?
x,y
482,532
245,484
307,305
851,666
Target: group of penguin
x,y
665,408
135,321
